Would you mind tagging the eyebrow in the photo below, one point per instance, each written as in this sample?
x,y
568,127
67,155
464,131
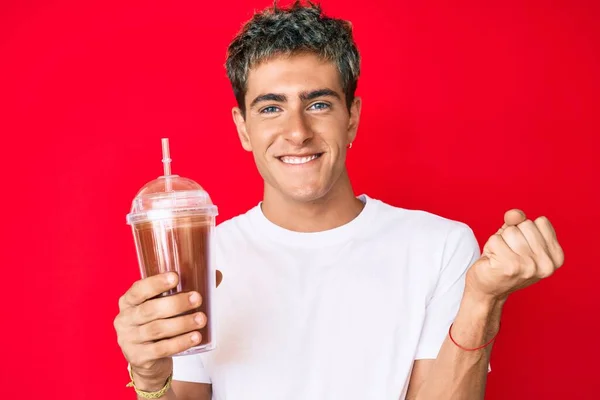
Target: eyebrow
x,y
307,96
304,96
280,98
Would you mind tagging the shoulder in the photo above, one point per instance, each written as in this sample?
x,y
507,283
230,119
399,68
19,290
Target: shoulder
x,y
436,250
420,225
430,239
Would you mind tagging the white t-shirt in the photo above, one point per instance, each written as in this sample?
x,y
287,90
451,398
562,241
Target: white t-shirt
x,y
339,314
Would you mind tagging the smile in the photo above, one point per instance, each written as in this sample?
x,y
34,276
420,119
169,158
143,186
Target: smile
x,y
299,160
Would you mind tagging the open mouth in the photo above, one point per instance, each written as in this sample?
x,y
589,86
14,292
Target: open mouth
x,y
296,160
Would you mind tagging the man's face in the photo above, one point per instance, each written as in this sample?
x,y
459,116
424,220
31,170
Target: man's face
x,y
297,125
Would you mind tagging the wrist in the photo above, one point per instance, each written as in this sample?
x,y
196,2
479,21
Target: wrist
x,y
478,320
150,382
482,306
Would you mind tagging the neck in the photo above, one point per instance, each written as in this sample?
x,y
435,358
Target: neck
x,y
335,209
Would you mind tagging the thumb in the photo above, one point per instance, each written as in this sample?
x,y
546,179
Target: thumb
x,y
219,277
513,217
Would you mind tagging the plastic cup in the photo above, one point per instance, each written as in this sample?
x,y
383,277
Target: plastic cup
x,y
173,219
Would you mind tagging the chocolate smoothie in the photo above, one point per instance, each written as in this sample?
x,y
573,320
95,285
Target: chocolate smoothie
x,y
180,244
173,219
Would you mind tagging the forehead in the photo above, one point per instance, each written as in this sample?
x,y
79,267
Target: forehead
x,y
293,74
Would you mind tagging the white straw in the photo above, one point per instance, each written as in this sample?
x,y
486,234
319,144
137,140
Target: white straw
x,y
166,162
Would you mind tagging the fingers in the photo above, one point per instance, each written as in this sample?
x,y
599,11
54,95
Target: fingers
x,y
547,231
496,248
171,327
168,347
535,242
148,288
510,253
512,218
514,238
163,307
144,353
539,248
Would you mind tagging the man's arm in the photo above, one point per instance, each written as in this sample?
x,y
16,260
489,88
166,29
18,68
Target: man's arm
x,y
456,373
520,254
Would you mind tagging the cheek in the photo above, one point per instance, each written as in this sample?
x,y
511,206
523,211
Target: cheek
x,y
335,136
263,135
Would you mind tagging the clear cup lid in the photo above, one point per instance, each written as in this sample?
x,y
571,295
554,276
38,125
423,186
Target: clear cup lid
x,y
170,196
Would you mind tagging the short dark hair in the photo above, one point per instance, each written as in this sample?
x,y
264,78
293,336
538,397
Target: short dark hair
x,y
299,28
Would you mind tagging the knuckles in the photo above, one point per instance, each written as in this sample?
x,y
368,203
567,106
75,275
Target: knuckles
x,y
520,255
511,233
527,224
511,230
494,242
151,331
545,268
528,268
560,257
511,270
543,274
123,338
558,253
122,302
522,267
147,311
130,335
120,323
159,350
117,322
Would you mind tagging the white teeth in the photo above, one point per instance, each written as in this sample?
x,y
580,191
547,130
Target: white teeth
x,y
298,160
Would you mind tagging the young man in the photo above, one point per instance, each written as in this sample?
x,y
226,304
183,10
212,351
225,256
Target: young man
x,y
327,295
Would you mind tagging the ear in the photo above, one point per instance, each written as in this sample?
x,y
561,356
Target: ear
x,y
354,119
240,124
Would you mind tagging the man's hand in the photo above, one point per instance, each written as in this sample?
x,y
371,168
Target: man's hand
x,y
150,329
521,253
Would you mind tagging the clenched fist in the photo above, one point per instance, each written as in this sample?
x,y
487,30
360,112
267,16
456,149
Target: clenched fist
x,y
521,253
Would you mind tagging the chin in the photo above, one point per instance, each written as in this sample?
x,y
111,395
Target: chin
x,y
305,194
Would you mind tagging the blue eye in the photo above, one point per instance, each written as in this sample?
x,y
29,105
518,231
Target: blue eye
x,y
319,106
269,110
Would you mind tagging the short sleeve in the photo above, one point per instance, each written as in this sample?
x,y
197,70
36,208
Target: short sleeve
x,y
461,250
190,369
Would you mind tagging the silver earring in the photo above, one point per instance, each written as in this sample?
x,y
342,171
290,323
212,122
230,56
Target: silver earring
x,y
350,145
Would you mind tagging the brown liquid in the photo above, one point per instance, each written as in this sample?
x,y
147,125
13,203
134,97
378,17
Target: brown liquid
x,y
181,245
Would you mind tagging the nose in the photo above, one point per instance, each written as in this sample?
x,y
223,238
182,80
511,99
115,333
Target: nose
x,y
298,130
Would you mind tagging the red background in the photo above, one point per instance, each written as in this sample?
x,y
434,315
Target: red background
x,y
469,110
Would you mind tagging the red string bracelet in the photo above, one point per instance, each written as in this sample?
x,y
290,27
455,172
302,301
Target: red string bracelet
x,y
467,349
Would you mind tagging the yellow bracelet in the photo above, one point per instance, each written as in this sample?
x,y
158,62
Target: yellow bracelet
x,y
151,395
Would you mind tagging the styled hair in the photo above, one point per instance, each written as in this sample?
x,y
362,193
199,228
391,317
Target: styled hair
x,y
288,31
